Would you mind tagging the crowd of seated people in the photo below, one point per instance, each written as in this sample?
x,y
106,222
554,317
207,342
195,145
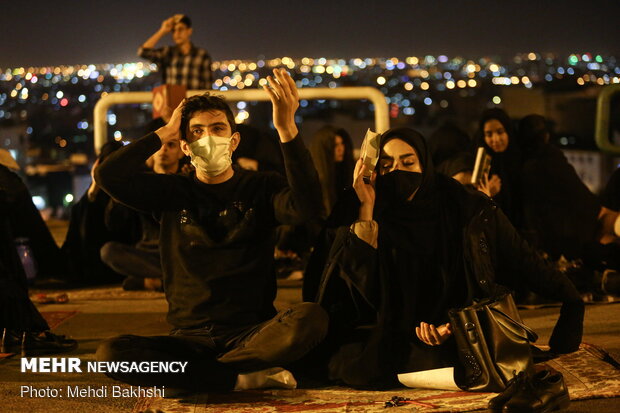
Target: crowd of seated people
x,y
537,188
391,254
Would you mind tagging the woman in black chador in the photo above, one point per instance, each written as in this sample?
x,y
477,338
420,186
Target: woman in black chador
x,y
560,214
22,328
422,244
332,153
496,134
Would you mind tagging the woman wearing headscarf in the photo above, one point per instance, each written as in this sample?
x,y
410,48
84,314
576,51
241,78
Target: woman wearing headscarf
x,y
422,244
559,212
22,327
332,153
451,150
497,136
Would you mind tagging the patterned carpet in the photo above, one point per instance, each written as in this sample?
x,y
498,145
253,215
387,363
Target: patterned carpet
x,y
56,318
586,375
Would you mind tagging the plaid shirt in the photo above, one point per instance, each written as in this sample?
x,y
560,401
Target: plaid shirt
x,y
192,70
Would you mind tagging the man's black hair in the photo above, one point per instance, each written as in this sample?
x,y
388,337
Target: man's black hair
x,y
205,103
186,21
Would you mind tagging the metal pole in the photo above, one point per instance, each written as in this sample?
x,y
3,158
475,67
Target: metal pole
x,y
603,106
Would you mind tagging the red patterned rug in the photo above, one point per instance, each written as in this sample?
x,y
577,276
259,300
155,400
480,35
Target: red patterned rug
x,y
53,318
56,318
586,375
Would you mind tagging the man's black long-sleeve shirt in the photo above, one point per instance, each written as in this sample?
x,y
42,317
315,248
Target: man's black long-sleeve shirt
x,y
216,240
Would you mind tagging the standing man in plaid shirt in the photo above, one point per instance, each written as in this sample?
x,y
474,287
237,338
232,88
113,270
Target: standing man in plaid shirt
x,y
183,63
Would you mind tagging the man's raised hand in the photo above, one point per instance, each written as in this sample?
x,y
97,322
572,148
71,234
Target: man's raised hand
x,y
285,101
172,130
167,25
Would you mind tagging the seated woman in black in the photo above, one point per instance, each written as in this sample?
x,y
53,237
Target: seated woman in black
x,y
560,214
332,154
422,244
496,134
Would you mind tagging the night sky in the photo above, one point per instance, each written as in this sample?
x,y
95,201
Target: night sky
x,y
45,33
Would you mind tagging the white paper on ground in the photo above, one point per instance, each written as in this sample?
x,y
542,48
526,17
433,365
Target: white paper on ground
x,y
440,379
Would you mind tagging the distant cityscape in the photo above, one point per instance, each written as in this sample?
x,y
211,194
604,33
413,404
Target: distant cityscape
x,y
65,95
46,112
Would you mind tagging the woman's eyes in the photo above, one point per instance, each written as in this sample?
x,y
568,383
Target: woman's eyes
x,y
406,162
490,134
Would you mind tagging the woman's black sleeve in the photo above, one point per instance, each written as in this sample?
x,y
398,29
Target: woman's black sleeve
x,y
522,267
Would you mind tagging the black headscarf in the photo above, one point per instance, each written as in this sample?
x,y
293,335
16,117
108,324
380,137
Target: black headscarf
x,y
335,177
418,216
448,141
451,150
420,244
533,135
506,164
560,214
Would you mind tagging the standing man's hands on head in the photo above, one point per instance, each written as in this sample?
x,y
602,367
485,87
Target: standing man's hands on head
x,y
166,27
365,191
285,100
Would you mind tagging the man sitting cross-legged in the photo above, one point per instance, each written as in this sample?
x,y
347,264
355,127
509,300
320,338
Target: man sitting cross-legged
x,y
141,262
216,243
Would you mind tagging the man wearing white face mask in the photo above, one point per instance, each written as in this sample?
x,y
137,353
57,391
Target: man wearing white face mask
x,y
216,242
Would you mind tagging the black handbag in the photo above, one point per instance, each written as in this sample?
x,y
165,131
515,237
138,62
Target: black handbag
x,y
493,344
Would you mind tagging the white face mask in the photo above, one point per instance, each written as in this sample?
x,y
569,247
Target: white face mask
x,y
211,154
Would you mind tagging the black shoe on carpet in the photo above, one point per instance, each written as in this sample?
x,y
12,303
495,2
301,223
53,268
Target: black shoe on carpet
x,y
35,344
540,395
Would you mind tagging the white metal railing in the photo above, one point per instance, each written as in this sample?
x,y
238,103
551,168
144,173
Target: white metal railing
x,y
603,120
382,119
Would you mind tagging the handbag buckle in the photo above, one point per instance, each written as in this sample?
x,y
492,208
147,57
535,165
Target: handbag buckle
x,y
471,332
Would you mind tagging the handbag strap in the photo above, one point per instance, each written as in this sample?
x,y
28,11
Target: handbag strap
x,y
531,334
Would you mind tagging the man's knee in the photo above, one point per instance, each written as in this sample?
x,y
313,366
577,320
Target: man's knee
x,y
311,321
116,348
109,253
